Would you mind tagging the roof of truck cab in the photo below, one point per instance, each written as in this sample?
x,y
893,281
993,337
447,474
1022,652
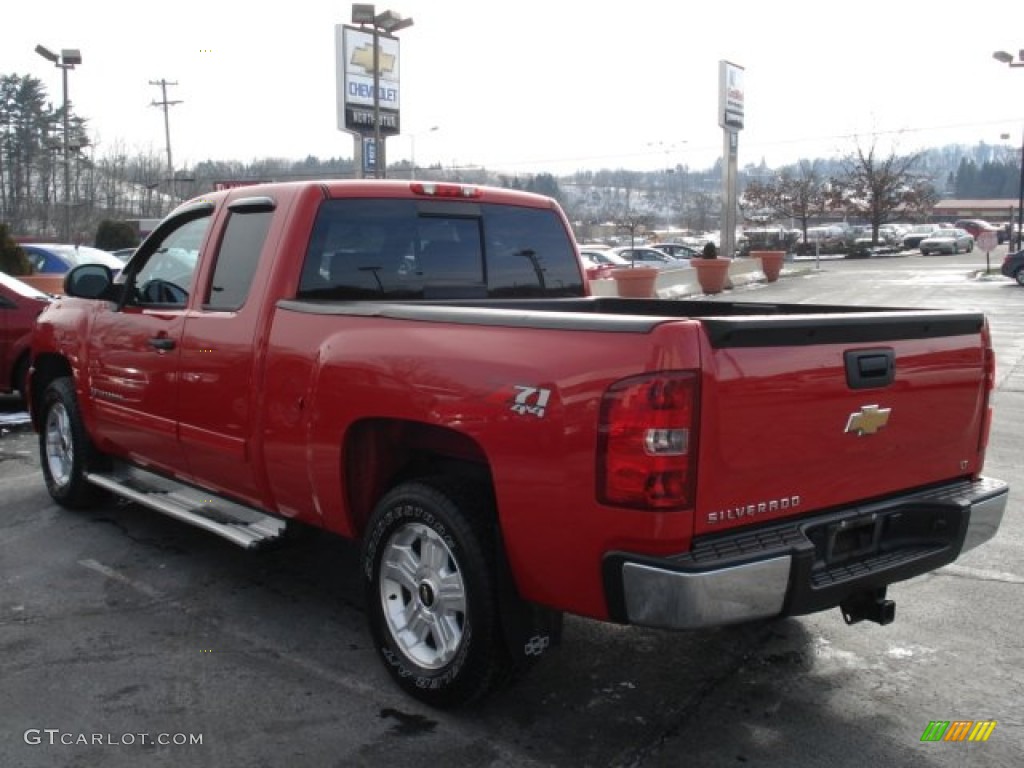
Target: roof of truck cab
x,y
389,188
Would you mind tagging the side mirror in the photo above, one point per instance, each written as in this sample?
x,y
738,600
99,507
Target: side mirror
x,y
89,281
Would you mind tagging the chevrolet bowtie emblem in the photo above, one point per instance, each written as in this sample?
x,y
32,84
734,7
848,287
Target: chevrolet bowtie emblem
x,y
362,57
868,420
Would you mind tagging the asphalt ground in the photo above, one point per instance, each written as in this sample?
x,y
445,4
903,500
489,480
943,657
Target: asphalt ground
x,y
121,629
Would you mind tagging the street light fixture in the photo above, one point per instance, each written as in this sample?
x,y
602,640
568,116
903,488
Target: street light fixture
x,y
67,59
1006,58
388,22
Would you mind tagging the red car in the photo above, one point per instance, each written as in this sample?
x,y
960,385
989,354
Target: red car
x,y
20,304
976,226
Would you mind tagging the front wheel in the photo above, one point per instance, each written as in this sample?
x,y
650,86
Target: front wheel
x,y
65,450
431,591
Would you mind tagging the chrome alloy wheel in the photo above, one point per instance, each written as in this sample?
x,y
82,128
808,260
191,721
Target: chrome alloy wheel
x,y
423,596
60,449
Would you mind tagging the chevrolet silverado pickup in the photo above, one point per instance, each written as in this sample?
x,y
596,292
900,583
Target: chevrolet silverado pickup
x,y
421,368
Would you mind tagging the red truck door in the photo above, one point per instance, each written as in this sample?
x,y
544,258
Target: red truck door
x,y
219,393
133,354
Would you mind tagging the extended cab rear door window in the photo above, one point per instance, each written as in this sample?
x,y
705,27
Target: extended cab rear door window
x,y
411,249
239,253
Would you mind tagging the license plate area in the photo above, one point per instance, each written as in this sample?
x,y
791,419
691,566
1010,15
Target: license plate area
x,y
851,539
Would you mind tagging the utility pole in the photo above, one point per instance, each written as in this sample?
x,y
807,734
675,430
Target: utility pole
x,y
167,126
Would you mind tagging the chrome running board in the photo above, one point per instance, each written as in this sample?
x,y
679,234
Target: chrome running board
x,y
235,522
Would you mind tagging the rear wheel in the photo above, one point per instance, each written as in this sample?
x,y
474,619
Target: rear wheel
x,y
1019,276
431,591
65,450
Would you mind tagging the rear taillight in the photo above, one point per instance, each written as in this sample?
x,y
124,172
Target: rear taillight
x,y
990,385
990,357
647,440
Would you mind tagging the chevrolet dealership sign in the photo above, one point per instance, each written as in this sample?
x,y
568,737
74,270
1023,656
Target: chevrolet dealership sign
x,y
354,51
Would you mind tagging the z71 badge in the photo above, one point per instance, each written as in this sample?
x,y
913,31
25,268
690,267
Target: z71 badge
x,y
525,401
530,401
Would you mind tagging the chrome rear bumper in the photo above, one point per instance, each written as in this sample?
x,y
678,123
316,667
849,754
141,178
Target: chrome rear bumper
x,y
793,568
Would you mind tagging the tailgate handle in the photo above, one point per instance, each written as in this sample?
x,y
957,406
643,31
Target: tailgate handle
x,y
868,368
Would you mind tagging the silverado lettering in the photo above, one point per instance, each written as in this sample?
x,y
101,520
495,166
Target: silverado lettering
x,y
420,368
760,508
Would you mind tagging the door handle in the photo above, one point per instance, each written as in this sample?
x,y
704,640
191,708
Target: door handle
x,y
162,343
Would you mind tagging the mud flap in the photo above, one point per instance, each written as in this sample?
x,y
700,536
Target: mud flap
x,y
529,630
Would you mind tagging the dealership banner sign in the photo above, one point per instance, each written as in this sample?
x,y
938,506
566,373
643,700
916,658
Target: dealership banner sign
x,y
730,95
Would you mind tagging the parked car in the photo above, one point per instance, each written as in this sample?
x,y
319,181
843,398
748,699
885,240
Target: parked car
x,y
976,226
58,258
651,257
124,253
1013,266
865,244
599,263
948,241
678,250
20,304
913,238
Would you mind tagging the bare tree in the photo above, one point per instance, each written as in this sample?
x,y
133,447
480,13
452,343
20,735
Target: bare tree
x,y
881,188
798,193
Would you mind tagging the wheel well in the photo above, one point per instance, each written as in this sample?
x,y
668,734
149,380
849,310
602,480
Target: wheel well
x,y
45,369
379,453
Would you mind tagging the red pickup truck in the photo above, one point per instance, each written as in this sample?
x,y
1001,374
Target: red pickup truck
x,y
419,367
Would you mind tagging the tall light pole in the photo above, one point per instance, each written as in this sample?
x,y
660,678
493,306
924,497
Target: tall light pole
x,y
1007,58
412,150
67,59
388,22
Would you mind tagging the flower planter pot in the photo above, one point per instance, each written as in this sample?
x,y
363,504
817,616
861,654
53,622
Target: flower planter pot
x,y
712,274
636,282
771,263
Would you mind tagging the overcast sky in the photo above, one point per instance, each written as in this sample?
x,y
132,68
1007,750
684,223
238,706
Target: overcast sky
x,y
538,85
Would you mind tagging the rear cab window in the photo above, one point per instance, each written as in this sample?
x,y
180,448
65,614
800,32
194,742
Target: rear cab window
x,y
374,249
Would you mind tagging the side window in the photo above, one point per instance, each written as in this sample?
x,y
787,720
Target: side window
x,y
237,259
166,277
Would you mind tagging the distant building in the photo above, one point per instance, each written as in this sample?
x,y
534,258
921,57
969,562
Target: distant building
x,y
993,211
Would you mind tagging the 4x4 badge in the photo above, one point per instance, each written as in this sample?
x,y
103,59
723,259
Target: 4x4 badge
x,y
868,420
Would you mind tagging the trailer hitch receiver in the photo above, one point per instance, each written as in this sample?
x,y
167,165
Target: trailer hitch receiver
x,y
871,605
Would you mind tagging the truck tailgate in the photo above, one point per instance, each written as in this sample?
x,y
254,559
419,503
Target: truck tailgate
x,y
799,415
